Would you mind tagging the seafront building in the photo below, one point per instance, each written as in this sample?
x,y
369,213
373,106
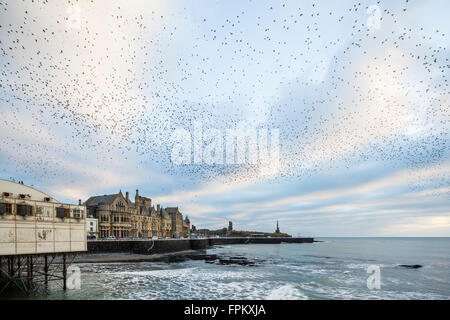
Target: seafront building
x,y
119,217
92,227
36,230
32,222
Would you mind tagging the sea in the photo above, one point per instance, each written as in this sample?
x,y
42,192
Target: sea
x,y
334,268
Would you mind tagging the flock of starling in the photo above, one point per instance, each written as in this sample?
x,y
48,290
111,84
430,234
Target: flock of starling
x,y
113,81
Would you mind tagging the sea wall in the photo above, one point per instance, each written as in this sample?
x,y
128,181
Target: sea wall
x,y
175,245
247,240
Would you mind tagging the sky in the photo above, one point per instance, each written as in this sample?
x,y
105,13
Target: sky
x,y
350,100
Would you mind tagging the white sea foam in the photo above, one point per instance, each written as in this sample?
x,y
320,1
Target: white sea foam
x,y
194,274
312,269
286,292
363,266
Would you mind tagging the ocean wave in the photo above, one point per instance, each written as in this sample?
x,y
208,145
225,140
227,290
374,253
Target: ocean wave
x,y
364,266
286,292
193,274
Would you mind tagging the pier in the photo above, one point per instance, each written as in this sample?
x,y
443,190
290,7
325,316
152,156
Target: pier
x,y
39,237
28,272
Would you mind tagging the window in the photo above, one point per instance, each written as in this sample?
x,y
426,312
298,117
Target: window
x,y
5,208
91,223
103,233
24,210
120,206
77,213
62,212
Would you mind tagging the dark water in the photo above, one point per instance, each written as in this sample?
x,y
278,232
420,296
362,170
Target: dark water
x,y
333,269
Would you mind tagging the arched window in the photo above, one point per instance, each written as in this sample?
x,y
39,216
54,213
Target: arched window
x,y
120,206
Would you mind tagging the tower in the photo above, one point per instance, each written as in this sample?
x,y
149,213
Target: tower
x,y
137,202
230,226
278,228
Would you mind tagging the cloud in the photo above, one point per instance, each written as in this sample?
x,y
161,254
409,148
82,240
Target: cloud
x,y
401,178
419,226
87,110
385,199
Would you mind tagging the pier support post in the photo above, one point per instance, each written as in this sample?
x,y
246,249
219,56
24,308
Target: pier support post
x,y
45,270
19,271
31,268
64,272
11,266
28,275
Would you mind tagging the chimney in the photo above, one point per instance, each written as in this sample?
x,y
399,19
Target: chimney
x,y
79,202
127,196
158,207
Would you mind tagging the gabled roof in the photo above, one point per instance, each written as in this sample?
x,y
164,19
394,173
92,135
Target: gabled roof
x,y
164,214
96,200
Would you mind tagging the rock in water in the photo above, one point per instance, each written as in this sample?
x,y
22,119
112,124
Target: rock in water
x,y
411,266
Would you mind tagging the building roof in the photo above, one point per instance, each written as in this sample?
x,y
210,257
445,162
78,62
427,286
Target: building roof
x,y
18,188
96,200
172,209
164,214
144,198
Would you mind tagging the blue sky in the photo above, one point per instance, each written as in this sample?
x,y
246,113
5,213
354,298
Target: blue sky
x,y
91,94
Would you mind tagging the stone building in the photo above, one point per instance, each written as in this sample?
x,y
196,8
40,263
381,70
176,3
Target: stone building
x,y
186,227
119,217
177,221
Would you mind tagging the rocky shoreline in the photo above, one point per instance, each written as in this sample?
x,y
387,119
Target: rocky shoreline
x,y
167,257
131,257
180,256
